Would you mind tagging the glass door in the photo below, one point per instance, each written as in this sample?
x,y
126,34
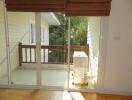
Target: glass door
x,y
22,42
78,52
51,50
54,67
84,50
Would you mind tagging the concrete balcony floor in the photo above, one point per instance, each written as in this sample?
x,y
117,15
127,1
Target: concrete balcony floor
x,y
52,75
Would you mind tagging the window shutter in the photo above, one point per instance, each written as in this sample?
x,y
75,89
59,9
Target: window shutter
x,y
88,7
35,5
70,7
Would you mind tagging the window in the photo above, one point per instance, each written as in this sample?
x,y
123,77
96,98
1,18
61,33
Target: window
x,y
33,37
42,34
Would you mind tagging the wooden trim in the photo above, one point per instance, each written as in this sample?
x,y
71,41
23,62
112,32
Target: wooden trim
x,y
90,1
60,50
20,54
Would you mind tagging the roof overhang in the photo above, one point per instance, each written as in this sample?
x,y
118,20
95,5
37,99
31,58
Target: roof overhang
x,y
50,18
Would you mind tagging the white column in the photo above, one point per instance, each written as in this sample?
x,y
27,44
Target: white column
x,y
38,46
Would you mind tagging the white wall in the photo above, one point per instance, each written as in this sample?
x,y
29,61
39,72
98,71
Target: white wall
x,y
19,27
46,36
93,41
46,30
118,69
18,31
93,34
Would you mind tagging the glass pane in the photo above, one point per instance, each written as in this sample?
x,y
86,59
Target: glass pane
x,y
22,47
84,51
53,49
3,59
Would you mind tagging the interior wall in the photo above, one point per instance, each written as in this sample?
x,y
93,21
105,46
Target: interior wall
x,y
118,69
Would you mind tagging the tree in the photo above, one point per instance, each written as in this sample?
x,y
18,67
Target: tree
x,y
58,34
79,27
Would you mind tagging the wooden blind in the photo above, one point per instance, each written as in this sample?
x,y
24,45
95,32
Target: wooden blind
x,y
35,5
88,7
70,7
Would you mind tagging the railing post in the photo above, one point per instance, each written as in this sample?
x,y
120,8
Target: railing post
x,y
88,49
20,53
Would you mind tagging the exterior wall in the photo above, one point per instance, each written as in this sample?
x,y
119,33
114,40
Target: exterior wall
x,y
118,69
93,34
19,31
45,24
46,38
93,41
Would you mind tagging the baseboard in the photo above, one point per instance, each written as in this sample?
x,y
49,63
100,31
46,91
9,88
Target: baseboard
x,y
124,93
101,91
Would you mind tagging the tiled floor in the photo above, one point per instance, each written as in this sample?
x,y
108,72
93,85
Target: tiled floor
x,y
28,77
50,77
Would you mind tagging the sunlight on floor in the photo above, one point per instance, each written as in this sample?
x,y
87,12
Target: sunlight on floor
x,y
77,96
66,96
72,96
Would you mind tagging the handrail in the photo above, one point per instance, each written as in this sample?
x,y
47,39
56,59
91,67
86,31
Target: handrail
x,y
50,54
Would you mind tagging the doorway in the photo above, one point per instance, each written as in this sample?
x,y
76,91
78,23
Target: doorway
x,y
43,45
84,50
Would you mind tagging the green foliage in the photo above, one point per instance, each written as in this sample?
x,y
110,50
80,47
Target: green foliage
x,y
58,34
79,30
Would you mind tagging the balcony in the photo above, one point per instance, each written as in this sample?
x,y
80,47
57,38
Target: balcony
x,y
54,68
52,54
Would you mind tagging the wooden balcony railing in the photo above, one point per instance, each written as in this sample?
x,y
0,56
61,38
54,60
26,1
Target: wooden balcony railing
x,y
52,54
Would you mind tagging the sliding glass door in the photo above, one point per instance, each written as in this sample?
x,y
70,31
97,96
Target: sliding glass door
x,y
84,50
78,52
48,49
31,63
53,49
22,43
